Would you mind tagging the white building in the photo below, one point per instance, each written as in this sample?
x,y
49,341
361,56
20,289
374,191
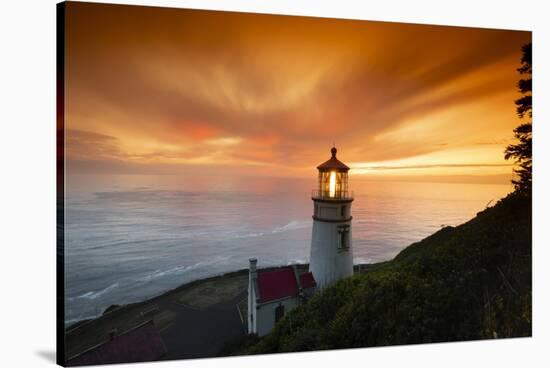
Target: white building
x,y
331,255
272,293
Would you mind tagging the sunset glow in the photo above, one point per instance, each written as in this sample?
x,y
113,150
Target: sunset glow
x,y
243,94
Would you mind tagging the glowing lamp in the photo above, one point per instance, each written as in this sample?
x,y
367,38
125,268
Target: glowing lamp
x,y
332,184
333,179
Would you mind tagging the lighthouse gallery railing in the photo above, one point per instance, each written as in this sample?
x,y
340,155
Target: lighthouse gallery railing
x,y
331,195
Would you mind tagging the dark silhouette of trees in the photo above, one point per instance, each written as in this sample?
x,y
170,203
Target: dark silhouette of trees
x,y
521,152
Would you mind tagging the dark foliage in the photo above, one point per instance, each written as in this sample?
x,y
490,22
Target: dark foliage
x,y
521,152
239,346
465,283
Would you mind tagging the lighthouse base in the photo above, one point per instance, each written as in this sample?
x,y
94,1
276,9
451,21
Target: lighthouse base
x,y
331,257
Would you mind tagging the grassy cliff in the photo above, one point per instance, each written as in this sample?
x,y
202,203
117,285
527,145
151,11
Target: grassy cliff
x,y
469,282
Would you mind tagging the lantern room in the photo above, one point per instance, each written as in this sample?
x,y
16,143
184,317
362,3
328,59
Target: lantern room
x,y
333,179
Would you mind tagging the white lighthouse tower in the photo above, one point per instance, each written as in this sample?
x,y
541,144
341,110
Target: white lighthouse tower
x,y
331,255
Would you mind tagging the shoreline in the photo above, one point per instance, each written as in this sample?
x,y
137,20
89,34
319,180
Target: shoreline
x,y
116,307
186,316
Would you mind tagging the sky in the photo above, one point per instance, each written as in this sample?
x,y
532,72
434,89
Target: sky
x,y
174,91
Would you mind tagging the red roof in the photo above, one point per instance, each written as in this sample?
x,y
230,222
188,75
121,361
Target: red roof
x,y
333,163
277,284
307,280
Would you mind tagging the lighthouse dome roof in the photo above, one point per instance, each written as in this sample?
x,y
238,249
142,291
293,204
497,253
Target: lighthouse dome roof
x,y
333,164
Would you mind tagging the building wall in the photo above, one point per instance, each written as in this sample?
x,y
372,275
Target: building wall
x,y
265,314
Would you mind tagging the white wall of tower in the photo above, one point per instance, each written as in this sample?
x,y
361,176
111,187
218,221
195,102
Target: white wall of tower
x,y
331,256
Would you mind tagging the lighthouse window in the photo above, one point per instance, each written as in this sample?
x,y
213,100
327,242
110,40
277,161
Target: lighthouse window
x,y
279,312
343,211
316,210
343,237
343,240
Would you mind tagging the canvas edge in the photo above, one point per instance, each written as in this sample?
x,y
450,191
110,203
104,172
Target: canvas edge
x,y
60,183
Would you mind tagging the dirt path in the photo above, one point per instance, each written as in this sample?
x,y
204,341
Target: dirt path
x,y
199,333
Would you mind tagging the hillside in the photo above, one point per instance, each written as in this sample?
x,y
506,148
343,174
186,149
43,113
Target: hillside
x,y
469,282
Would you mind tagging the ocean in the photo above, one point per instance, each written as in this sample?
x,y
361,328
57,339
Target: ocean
x,y
132,237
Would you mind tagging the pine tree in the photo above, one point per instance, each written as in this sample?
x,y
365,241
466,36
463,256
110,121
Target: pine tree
x,y
522,151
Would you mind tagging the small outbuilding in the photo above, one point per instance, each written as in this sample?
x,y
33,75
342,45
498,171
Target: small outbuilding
x,y
272,293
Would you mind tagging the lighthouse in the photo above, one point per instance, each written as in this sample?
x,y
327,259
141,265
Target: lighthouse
x,y
331,256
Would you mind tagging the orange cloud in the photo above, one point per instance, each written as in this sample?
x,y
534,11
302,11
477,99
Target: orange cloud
x,y
198,131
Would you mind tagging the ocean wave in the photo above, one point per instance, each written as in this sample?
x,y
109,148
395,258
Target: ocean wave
x,y
292,225
248,235
174,270
95,294
296,262
180,269
362,260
